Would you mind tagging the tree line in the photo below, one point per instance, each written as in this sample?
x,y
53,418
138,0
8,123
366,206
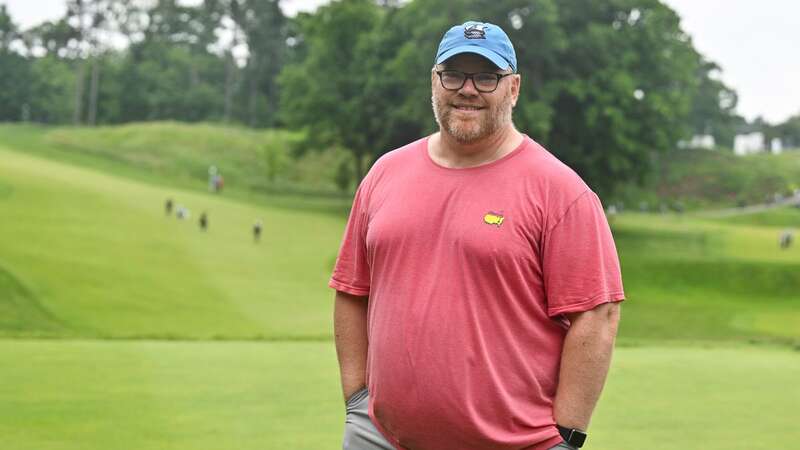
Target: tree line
x,y
606,85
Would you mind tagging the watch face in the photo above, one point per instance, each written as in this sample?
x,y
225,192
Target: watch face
x,y
577,437
572,436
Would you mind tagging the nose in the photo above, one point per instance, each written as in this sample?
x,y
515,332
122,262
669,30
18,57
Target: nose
x,y
468,88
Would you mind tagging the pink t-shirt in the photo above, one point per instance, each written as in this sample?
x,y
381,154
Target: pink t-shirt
x,y
469,273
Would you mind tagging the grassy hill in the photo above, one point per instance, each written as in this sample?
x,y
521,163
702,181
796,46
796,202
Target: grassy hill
x,y
697,178
687,277
96,254
178,154
90,253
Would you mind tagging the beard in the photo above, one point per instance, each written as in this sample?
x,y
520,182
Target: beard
x,y
463,131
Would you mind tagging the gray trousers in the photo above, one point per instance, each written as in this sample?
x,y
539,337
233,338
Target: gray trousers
x,y
360,433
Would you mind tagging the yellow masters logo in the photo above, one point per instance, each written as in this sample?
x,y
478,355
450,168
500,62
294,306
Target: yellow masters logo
x,y
493,218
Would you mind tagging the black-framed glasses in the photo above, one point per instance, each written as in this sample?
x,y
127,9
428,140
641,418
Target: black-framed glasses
x,y
486,82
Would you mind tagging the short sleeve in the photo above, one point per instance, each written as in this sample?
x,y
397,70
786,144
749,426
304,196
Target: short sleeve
x,y
351,273
580,263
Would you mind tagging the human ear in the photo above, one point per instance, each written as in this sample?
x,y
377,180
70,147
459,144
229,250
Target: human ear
x,y
516,81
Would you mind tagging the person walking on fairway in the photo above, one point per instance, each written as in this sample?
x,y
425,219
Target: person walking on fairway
x,y
257,226
203,222
477,284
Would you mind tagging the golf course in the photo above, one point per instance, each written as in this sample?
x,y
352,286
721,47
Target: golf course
x,y
123,327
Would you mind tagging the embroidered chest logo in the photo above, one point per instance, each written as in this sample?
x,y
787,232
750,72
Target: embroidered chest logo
x,y
493,218
475,31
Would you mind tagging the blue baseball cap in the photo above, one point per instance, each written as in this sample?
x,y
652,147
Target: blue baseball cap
x,y
481,38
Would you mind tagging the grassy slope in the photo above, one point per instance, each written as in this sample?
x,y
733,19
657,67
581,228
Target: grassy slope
x,y
91,254
718,178
688,278
178,155
182,153
206,395
97,252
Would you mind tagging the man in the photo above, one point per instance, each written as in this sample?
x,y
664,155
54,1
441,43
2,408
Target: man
x,y
203,221
477,282
257,226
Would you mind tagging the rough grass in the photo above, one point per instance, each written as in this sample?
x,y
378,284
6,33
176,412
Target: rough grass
x,y
179,154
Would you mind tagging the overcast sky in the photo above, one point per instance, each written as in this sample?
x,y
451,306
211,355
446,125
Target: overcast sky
x,y
757,44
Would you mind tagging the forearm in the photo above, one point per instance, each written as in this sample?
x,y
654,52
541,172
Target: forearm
x,y
585,360
350,331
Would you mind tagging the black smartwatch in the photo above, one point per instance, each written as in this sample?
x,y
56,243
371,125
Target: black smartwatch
x,y
572,436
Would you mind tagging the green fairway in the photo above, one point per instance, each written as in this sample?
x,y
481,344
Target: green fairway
x,y
73,395
97,255
149,395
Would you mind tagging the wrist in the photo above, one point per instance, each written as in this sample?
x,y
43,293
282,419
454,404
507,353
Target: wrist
x,y
572,436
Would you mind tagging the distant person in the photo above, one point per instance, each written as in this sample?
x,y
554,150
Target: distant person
x,y
182,212
168,207
257,231
477,284
219,183
786,239
212,179
611,214
203,221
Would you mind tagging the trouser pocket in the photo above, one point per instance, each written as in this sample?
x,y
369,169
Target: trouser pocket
x,y
359,431
356,398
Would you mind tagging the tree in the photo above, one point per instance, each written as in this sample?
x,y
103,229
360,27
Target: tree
x,y
789,131
76,16
606,85
265,30
8,30
15,72
169,72
713,106
51,84
51,39
625,86
325,92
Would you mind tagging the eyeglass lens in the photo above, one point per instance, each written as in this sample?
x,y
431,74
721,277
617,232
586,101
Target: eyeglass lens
x,y
484,81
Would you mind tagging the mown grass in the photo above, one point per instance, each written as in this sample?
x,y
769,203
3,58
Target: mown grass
x,y
98,253
249,395
689,278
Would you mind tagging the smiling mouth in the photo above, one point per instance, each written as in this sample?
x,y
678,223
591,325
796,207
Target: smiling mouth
x,y
467,107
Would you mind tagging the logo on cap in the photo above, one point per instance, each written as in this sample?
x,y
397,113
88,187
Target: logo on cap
x,y
475,31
